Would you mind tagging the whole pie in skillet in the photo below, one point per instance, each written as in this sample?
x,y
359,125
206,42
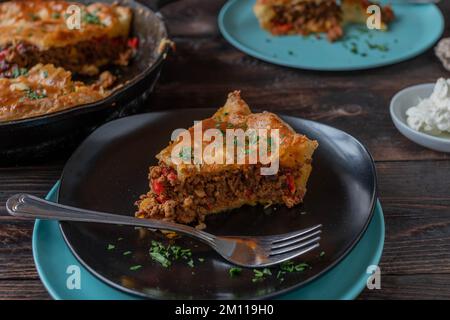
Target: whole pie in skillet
x,y
80,38
45,89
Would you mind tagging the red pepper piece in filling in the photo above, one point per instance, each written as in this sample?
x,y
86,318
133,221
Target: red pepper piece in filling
x,y
164,171
3,54
172,176
133,42
290,183
282,28
169,173
161,199
157,186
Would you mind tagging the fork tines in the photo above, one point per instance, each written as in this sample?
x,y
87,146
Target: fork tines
x,y
290,245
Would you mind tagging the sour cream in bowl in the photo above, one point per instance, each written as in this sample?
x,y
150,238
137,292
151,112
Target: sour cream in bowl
x,y
422,114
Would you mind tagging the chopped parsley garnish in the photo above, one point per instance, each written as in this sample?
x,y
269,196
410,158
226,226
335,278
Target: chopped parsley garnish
x,y
235,271
270,142
56,15
126,253
110,247
158,257
185,253
280,275
260,275
45,74
91,18
379,47
165,255
185,153
253,139
17,72
354,48
201,259
300,267
136,267
34,17
289,267
322,254
35,95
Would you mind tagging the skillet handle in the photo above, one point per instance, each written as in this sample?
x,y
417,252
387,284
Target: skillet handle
x,y
156,5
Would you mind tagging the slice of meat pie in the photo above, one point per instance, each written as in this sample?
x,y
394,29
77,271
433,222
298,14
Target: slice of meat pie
x,y
246,147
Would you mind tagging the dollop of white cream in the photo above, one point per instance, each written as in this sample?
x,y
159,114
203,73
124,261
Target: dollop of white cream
x,y
432,115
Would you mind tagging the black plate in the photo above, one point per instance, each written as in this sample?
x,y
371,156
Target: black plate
x,y
31,137
109,170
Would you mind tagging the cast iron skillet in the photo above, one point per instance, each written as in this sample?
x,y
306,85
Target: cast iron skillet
x,y
109,171
29,138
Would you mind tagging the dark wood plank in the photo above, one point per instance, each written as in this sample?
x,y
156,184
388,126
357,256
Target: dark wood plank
x,y
420,286
416,201
16,259
35,180
22,290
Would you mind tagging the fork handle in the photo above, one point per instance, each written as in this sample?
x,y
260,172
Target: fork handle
x,y
31,207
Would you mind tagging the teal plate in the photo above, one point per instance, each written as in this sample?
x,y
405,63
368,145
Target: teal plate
x,y
345,281
416,28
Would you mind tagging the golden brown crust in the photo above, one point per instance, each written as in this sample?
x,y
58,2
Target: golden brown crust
x,y
355,11
295,149
43,23
187,192
45,89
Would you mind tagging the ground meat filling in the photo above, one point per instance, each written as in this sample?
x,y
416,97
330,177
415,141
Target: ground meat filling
x,y
307,17
83,58
189,201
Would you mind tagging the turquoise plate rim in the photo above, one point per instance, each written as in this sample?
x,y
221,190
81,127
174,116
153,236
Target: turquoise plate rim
x,y
256,54
351,293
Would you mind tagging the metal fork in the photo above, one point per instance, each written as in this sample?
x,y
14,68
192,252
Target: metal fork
x,y
243,251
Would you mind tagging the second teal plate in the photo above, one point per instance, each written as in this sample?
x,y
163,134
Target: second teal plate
x,y
416,29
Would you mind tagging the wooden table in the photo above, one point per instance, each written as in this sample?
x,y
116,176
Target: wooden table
x,y
414,183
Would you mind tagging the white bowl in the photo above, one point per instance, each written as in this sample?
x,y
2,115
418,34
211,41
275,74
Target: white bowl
x,y
406,99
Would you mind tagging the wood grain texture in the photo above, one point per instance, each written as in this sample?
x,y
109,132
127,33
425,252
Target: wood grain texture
x,y
414,183
420,286
23,290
